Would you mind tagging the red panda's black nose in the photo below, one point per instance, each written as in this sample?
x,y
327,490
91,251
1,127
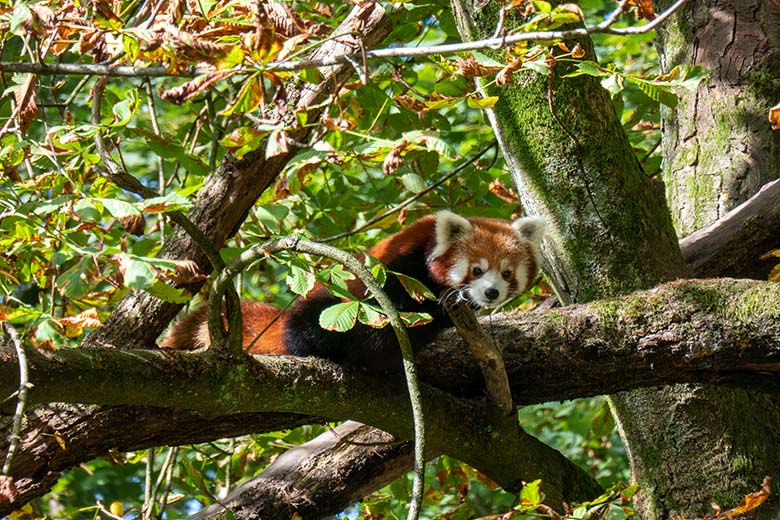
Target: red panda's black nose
x,y
491,293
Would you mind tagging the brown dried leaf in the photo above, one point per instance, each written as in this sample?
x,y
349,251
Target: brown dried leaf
x,y
500,190
644,8
281,18
470,68
116,458
133,224
410,103
192,88
176,10
751,501
393,159
277,144
88,318
504,76
187,272
774,117
578,52
44,16
26,107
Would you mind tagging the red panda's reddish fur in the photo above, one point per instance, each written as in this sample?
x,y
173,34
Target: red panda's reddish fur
x,y
423,250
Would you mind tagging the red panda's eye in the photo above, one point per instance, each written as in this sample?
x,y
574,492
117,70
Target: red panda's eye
x,y
507,274
476,271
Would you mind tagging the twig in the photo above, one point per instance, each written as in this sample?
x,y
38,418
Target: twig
x,y
416,196
146,510
21,400
395,52
223,282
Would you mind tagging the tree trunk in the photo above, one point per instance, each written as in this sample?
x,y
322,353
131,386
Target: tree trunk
x,y
717,145
690,444
572,162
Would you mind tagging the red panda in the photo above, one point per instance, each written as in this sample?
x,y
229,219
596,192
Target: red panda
x,y
486,261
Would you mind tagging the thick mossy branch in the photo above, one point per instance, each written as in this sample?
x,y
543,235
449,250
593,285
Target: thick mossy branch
x,y
716,331
719,331
187,381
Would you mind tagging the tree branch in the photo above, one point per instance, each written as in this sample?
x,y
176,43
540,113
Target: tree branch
x,y
225,199
223,283
712,331
732,245
348,58
319,478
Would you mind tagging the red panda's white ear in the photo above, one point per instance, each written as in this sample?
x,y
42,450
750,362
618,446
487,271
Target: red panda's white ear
x,y
450,228
530,228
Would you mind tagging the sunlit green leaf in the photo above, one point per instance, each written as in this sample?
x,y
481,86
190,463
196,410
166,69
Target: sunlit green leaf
x,y
340,317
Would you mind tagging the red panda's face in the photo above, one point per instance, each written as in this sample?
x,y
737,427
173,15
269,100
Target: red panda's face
x,y
488,261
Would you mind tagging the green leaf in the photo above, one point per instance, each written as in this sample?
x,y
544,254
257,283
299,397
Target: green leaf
x,y
415,319
531,496
168,293
441,147
19,18
249,97
119,208
243,140
379,273
416,289
655,92
272,216
590,68
72,284
299,281
413,182
124,110
138,273
46,331
602,423
340,317
372,316
170,202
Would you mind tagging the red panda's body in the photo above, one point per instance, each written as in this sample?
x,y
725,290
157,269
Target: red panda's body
x,y
487,260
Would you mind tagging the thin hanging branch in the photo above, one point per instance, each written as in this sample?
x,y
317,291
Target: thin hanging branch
x,y
21,398
223,283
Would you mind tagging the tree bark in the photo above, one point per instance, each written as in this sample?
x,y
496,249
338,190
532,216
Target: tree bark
x,y
320,478
718,150
717,144
734,244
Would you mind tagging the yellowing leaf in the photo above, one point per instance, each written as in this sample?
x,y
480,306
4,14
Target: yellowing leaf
x,y
249,97
60,440
482,103
773,253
